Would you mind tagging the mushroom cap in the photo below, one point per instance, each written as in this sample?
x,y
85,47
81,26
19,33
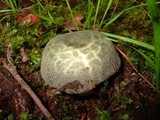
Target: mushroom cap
x,y
78,61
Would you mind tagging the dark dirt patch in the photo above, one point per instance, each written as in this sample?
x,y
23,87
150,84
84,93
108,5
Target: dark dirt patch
x,y
126,93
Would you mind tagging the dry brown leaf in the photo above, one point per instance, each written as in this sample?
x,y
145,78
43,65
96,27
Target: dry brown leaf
x,y
70,23
28,17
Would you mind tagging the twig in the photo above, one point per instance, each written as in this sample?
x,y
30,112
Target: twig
x,y
12,69
83,116
6,79
135,69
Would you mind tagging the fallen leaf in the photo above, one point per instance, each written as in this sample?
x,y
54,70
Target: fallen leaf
x,y
70,23
23,17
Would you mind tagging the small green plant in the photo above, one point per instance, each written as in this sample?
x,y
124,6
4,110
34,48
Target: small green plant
x,y
123,100
44,12
97,21
125,116
51,15
10,35
104,87
25,116
35,58
13,5
156,38
103,115
10,117
19,39
72,16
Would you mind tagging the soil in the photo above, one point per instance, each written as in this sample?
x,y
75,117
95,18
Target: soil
x,y
126,94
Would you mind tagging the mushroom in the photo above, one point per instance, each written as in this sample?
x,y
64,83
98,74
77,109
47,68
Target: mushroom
x,y
77,62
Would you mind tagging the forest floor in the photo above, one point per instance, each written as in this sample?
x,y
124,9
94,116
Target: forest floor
x,y
124,96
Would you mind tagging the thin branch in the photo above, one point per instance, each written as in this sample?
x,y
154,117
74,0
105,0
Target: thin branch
x,y
6,79
12,69
136,69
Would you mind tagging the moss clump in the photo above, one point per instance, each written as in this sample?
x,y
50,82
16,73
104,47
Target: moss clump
x,y
9,35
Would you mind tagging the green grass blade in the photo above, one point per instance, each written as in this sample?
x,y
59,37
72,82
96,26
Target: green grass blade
x,y
136,42
72,16
116,16
3,18
110,39
90,10
153,9
49,14
96,14
39,3
105,13
147,58
7,3
2,11
46,18
11,4
15,4
156,31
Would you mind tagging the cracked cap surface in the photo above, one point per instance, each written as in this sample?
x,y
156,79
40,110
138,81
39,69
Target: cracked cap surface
x,y
76,62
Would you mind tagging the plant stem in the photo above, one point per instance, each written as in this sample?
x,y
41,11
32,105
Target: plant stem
x,y
96,14
69,7
156,31
105,13
90,10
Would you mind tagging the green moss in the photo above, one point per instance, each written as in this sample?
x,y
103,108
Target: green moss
x,y
26,37
35,58
125,116
25,116
10,35
103,115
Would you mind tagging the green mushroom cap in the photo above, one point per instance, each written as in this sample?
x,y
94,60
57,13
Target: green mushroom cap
x,y
78,61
